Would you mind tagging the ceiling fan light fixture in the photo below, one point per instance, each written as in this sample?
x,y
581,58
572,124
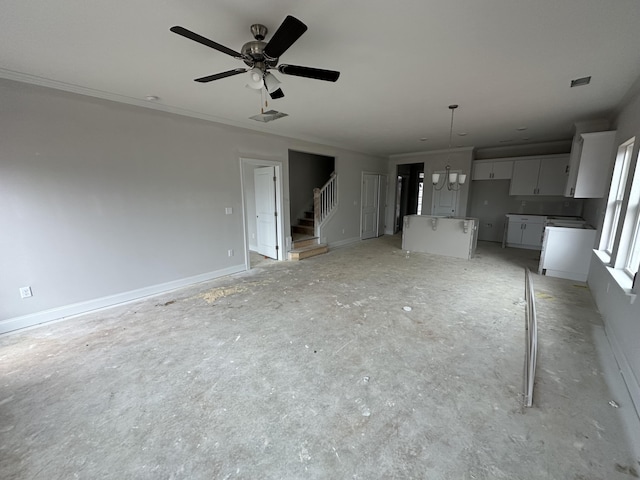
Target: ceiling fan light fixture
x,y
271,83
255,79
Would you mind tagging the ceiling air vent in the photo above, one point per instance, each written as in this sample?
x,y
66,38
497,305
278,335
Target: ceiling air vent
x,y
578,82
268,116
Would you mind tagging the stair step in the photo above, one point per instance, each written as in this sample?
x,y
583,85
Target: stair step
x,y
309,251
306,222
305,242
309,215
303,229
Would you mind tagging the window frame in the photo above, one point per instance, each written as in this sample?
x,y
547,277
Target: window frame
x,y
615,201
630,239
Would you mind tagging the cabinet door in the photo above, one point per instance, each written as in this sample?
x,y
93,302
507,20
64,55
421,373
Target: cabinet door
x,y
574,164
553,176
482,171
525,177
532,234
596,156
514,233
502,170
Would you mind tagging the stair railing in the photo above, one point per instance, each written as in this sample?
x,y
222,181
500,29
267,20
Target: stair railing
x,y
325,200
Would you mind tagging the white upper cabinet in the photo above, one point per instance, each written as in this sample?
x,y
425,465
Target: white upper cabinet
x,y
492,169
591,157
546,175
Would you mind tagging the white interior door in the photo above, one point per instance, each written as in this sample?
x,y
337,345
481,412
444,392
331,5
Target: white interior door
x,y
266,216
445,201
370,198
382,204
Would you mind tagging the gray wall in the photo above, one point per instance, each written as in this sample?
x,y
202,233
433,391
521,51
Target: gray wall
x,y
490,202
306,171
102,202
458,158
620,312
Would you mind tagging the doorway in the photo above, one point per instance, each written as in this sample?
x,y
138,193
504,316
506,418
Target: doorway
x,y
262,206
409,187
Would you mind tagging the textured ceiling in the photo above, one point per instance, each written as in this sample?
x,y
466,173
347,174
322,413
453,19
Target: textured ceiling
x,y
507,64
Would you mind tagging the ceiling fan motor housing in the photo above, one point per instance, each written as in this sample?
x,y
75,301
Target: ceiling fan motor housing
x,y
253,53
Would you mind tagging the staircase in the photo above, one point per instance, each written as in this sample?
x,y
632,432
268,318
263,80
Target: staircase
x,y
305,243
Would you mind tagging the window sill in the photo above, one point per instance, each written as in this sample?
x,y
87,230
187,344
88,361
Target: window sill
x,y
620,278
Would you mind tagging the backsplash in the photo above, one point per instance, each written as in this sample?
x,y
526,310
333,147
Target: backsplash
x,y
490,202
547,206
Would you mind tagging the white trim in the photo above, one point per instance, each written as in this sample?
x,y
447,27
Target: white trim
x,y
283,248
430,152
630,379
111,300
344,242
619,277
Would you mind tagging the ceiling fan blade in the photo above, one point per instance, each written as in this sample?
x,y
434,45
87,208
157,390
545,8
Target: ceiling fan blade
x,y
288,32
205,41
308,72
277,94
218,76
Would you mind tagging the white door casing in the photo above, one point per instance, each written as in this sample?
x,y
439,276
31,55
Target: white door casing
x,y
266,211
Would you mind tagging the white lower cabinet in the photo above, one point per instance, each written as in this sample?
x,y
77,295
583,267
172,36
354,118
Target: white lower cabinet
x,y
524,231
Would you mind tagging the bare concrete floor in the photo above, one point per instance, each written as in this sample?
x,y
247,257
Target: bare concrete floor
x,y
314,370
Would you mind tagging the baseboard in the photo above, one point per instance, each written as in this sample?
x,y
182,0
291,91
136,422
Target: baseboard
x,y
58,313
342,243
628,376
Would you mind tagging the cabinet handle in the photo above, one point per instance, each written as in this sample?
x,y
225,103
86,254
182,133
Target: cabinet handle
x,y
571,191
566,170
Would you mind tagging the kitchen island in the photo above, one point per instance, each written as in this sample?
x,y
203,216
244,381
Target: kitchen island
x,y
448,236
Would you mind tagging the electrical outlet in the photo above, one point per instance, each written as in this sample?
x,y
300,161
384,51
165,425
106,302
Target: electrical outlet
x,y
25,292
228,210
230,252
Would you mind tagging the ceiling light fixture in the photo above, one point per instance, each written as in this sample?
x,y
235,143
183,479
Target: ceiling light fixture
x,y
152,98
271,83
453,181
255,79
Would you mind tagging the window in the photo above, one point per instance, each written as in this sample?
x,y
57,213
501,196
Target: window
x,y
631,230
616,196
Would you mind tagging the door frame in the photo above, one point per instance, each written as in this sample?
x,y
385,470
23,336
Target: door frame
x,y
280,220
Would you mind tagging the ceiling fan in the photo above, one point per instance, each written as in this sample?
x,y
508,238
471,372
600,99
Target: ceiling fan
x,y
261,56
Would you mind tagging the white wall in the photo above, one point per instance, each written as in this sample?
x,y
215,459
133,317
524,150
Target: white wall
x,y
102,202
621,317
